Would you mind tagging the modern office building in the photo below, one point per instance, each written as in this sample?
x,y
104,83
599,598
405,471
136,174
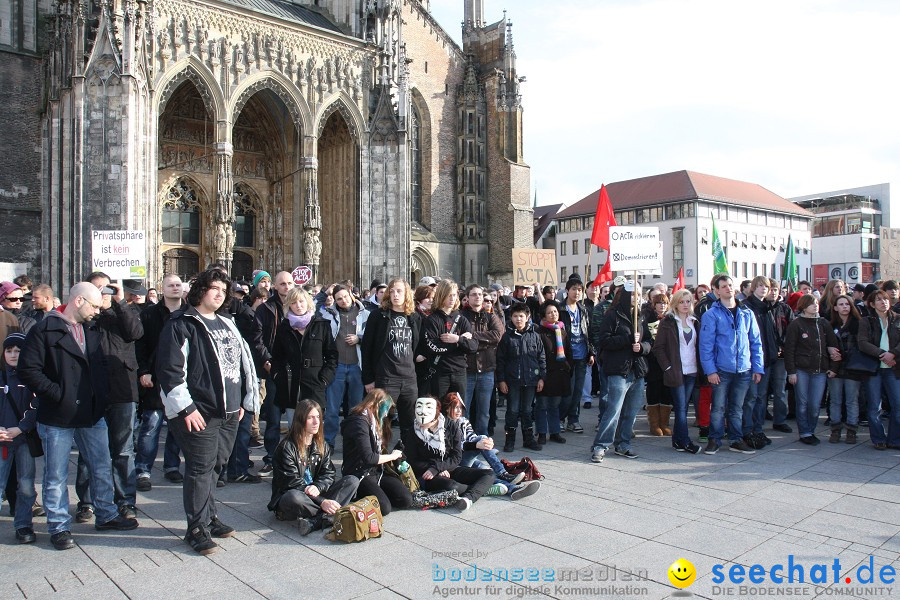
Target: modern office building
x,y
753,224
845,232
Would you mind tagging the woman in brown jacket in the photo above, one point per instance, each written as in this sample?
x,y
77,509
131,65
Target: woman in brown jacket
x,y
879,337
810,346
675,349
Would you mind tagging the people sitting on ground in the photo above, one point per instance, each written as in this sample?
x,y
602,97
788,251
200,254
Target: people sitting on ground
x,y
434,450
367,434
303,479
484,455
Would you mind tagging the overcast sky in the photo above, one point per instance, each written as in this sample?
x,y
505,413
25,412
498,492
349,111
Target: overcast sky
x,y
799,96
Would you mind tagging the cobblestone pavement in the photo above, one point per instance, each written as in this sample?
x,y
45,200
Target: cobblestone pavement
x,y
606,531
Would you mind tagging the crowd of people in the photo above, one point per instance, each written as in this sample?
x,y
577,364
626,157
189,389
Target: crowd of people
x,y
223,362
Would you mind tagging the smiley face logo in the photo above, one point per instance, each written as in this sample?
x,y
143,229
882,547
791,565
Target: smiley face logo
x,y
682,573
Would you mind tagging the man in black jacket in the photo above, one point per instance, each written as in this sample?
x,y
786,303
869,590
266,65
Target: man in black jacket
x,y
64,365
265,327
782,315
487,329
120,327
153,319
207,380
757,394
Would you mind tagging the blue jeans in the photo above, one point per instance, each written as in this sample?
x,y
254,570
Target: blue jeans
x,y
120,427
475,458
547,414
844,391
777,380
347,379
148,444
603,392
518,405
271,414
681,395
808,395
93,445
571,407
25,492
884,380
479,387
626,395
728,402
755,405
239,461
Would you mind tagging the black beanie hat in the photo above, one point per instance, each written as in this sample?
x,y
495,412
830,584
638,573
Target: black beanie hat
x,y
14,339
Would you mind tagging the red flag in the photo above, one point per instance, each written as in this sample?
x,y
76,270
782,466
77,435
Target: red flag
x,y
603,220
679,283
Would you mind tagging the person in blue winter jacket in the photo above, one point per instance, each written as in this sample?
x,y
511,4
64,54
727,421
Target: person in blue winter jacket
x,y
731,356
17,417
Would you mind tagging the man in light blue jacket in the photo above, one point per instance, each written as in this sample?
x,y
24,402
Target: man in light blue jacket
x,y
731,355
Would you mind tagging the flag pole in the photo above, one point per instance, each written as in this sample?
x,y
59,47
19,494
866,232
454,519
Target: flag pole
x,y
635,300
587,269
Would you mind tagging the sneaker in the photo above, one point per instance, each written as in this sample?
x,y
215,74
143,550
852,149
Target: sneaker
x,y
463,504
143,483
763,438
219,529
541,439
220,483
678,447
742,447
84,514
526,489
863,422
597,455
808,440
692,448
575,428
245,478
25,535
129,511
257,442
510,478
562,425
266,471
881,446
555,437
198,538
62,540
711,447
816,441
783,428
752,442
626,453
586,405
498,489
174,476
703,436
117,523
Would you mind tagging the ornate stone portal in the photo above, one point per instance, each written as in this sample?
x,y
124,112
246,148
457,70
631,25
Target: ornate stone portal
x,y
276,141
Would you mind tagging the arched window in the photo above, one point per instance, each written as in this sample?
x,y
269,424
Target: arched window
x,y
245,217
181,215
241,266
415,166
181,262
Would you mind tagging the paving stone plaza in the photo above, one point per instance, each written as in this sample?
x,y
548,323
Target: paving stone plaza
x,y
606,531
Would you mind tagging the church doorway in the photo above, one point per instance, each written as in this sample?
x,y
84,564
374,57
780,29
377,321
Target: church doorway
x,y
339,200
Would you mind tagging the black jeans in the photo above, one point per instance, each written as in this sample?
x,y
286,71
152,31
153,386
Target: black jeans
x,y
206,453
296,504
442,384
390,491
404,392
470,483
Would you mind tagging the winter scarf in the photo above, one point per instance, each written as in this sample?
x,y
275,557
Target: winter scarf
x,y
558,330
299,322
435,439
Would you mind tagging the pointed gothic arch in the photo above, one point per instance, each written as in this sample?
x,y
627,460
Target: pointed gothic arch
x,y
191,69
282,87
419,132
342,103
421,264
339,199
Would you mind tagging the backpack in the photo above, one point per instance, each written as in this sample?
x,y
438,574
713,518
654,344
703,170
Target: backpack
x,y
358,521
406,475
526,465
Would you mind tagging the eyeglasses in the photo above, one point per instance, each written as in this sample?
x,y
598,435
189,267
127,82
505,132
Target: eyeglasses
x,y
13,299
96,306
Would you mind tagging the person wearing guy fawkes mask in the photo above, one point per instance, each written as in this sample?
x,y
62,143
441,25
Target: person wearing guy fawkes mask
x,y
434,450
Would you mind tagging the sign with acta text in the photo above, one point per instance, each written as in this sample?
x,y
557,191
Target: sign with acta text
x,y
121,254
634,249
302,275
532,266
890,253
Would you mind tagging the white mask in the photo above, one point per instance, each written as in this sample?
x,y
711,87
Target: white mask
x,y
426,410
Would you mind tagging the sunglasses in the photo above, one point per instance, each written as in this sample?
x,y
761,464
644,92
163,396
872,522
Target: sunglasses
x,y
13,299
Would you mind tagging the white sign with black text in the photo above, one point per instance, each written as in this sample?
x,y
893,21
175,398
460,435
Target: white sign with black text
x,y
635,249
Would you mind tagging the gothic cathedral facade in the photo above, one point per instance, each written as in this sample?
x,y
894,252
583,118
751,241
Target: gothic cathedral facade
x,y
354,136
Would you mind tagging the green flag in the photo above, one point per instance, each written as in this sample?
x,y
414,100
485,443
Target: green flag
x,y
790,266
720,261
